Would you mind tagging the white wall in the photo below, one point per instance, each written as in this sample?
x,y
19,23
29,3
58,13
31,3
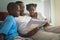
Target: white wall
x,y
57,12
53,12
3,4
47,9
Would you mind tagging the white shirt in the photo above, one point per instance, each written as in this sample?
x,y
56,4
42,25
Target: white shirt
x,y
22,22
41,16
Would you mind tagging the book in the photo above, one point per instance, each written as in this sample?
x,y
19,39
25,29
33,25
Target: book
x,y
33,24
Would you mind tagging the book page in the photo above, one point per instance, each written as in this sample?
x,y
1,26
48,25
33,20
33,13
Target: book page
x,y
31,27
33,24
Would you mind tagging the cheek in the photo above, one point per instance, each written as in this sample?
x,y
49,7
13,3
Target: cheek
x,y
21,8
18,13
31,11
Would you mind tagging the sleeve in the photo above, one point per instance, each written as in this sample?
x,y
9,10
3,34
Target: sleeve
x,y
7,25
41,16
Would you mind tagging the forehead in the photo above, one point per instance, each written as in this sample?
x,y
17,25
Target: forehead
x,y
18,7
31,7
15,9
21,4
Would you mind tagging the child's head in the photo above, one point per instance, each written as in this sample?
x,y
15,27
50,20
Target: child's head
x,y
20,3
13,9
31,7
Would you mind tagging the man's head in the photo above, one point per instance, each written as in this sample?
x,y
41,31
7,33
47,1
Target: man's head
x,y
13,9
20,3
31,7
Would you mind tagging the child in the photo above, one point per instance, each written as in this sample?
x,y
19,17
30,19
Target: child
x,y
32,13
9,26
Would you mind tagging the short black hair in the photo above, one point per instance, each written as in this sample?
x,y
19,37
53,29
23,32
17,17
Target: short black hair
x,y
32,4
18,2
11,6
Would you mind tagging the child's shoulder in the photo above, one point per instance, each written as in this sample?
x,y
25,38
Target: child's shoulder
x,y
10,17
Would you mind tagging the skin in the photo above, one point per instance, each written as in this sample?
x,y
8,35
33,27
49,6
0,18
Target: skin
x,y
21,9
2,36
32,12
15,12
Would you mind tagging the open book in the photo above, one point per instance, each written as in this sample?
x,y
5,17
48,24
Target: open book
x,y
33,24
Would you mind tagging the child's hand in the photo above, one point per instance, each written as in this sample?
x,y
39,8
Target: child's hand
x,y
34,15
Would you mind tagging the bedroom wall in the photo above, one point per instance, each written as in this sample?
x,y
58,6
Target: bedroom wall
x,y
55,12
3,4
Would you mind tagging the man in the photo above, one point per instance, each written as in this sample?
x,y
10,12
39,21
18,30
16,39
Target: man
x,y
21,4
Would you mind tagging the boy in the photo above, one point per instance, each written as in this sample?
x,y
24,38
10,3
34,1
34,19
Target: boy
x,y
9,27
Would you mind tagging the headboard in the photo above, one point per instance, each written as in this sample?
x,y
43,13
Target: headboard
x,y
3,15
